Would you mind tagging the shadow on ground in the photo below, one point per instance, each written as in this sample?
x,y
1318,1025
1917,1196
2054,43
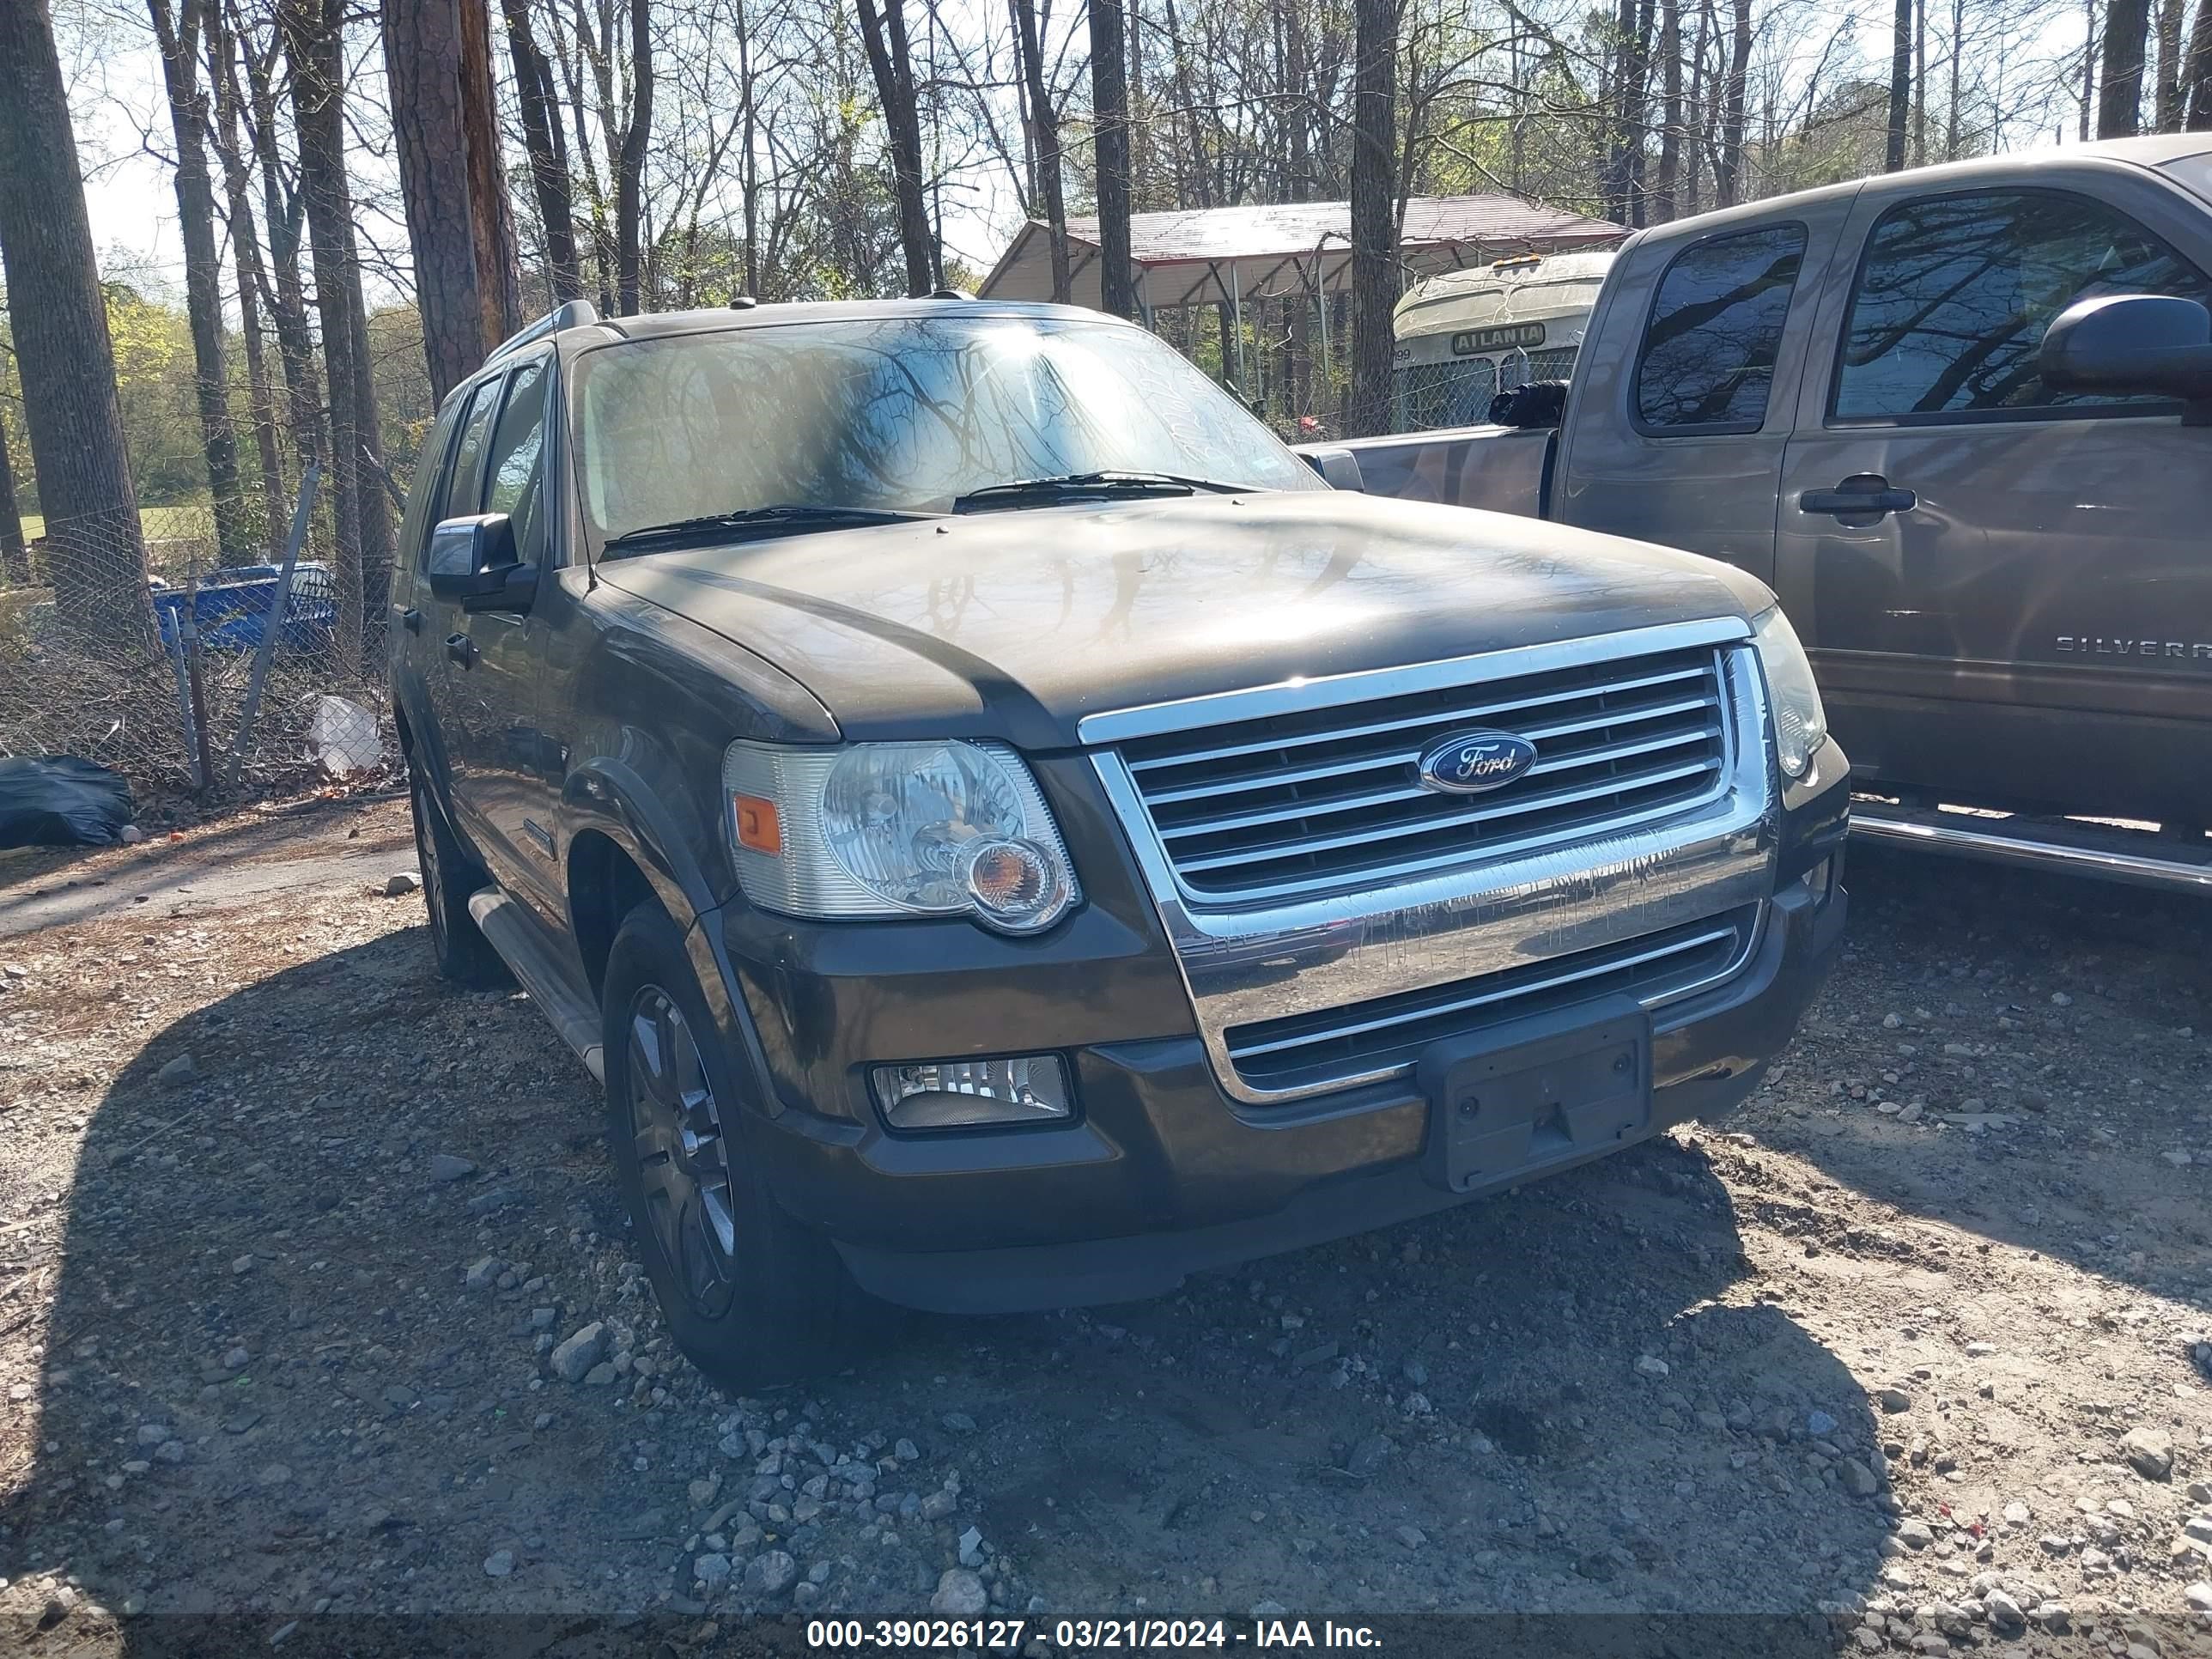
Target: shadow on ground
x,y
268,1392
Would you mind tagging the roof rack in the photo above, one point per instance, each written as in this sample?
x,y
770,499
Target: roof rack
x,y
574,314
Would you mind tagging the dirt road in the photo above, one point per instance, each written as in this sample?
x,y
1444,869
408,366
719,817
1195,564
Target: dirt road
x,y
1917,1345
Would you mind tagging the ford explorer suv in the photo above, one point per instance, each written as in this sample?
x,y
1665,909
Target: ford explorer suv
x,y
1006,834
1961,419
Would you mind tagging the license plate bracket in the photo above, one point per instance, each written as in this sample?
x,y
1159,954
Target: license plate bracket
x,y
1537,1091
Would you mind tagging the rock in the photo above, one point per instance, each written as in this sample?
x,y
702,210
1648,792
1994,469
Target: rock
x,y
236,1359
496,1198
1915,1534
575,1357
712,1571
240,1265
2054,1616
1650,1365
2004,1612
131,834
938,1505
960,1594
2199,1596
499,1563
971,1548
2149,1452
959,1422
177,1073
905,1450
601,1375
400,883
771,1573
444,1166
1369,1456
1412,1537
483,1272
1858,1480
1819,1423
1894,1400
169,1451
154,1434
2180,1160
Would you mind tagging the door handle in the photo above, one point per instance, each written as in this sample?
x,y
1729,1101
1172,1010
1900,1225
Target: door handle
x,y
409,618
461,648
1861,495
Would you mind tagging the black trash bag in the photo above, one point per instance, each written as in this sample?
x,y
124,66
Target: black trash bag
x,y
61,801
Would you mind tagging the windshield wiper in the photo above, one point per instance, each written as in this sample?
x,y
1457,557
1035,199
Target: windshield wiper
x,y
1024,492
767,520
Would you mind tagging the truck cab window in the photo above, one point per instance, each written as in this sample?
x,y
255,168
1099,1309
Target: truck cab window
x,y
1954,293
1707,361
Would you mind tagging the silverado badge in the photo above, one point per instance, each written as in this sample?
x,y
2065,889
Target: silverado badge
x,y
1472,762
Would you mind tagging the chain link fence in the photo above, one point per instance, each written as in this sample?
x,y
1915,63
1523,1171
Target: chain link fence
x,y
221,683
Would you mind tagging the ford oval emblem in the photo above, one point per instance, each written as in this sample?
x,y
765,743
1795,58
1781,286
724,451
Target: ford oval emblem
x,y
1472,762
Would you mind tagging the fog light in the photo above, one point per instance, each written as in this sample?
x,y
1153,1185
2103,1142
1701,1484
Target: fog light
x,y
964,1094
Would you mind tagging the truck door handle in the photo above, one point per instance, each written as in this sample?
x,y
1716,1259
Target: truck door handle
x,y
461,648
1860,495
409,618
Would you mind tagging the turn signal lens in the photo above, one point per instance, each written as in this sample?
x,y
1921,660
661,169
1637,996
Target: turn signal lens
x,y
1015,883
758,826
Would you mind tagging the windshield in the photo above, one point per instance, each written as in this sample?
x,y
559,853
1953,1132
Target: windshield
x,y
901,414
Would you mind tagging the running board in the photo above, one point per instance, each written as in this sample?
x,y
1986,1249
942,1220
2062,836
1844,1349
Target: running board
x,y
572,1012
2070,849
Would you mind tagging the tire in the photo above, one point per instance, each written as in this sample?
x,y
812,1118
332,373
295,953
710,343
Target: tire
x,y
752,1297
450,877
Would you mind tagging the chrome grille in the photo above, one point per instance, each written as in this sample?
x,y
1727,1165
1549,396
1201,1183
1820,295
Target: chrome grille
x,y
1384,1036
1311,800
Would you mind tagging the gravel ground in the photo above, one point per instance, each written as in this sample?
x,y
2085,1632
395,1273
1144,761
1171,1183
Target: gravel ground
x,y
315,1298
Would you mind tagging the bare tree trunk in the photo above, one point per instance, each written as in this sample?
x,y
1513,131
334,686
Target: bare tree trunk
x,y
1900,86
1950,115
245,259
1728,176
1670,131
1044,132
2119,92
2199,76
1374,213
15,557
95,552
2166,110
180,39
630,170
882,33
459,226
283,211
1110,107
2089,101
311,30
548,150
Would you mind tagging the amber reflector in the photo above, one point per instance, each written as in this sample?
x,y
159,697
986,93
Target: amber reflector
x,y
758,827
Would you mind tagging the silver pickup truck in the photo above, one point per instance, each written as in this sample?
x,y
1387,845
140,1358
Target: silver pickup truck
x,y
1960,419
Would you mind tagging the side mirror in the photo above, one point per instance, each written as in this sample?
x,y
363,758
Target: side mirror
x,y
472,560
2132,345
1339,468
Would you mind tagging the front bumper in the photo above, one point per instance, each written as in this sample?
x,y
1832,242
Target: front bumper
x,y
1162,1172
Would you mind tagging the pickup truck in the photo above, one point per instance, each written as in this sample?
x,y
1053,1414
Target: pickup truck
x,y
1006,835
1961,419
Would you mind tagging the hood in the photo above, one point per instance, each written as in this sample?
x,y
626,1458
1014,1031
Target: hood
x,y
1017,623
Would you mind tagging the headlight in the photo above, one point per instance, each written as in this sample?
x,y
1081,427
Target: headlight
x,y
897,828
1801,724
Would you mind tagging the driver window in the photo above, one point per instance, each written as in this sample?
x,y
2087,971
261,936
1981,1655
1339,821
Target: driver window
x,y
465,485
512,465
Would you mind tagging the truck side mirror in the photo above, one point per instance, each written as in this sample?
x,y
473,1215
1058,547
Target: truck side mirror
x,y
472,560
1339,468
2133,344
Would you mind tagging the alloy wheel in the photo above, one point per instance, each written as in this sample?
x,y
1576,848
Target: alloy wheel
x,y
682,1155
